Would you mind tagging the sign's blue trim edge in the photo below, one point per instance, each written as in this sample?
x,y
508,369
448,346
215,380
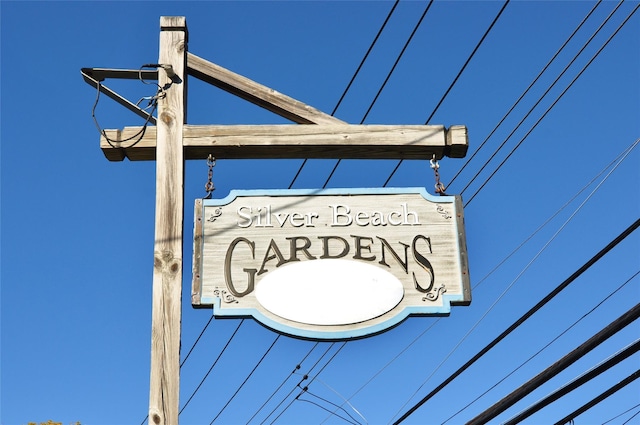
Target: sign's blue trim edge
x,y
324,192
332,335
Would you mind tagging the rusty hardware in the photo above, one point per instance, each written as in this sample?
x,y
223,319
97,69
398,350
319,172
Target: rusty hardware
x,y
440,188
209,187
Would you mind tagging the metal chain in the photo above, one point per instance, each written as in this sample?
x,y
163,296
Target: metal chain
x,y
439,186
209,187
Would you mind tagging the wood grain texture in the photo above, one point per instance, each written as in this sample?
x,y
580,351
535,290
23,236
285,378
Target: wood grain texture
x,y
297,141
244,237
167,270
256,93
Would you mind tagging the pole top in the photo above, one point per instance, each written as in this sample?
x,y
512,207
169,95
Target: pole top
x,y
173,23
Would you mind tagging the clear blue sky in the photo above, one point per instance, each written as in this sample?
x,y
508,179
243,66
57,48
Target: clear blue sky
x,y
77,230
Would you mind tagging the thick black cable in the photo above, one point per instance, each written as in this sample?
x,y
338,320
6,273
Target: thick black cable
x,y
547,345
576,354
535,80
246,379
550,107
576,383
629,379
366,55
454,81
523,318
375,99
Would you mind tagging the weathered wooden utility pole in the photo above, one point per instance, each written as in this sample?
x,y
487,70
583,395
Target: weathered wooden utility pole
x,y
171,141
167,261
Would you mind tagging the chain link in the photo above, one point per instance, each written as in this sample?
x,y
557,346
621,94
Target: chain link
x,y
209,187
439,186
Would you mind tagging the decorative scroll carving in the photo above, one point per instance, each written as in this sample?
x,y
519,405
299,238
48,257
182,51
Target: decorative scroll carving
x,y
443,212
224,295
435,293
216,213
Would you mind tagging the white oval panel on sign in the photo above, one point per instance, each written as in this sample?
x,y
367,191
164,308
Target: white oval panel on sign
x,y
329,292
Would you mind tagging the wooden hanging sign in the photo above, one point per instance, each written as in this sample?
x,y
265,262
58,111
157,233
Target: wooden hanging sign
x,y
330,264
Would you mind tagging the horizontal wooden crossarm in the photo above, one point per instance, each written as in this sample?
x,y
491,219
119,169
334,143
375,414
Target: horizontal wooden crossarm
x,y
337,141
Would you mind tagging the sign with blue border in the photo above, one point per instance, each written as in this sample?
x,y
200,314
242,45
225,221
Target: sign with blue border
x,y
330,264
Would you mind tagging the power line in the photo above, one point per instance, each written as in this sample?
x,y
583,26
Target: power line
x,y
620,414
454,81
629,379
581,380
196,341
304,378
393,68
566,68
212,366
366,55
246,379
324,408
523,318
614,327
312,379
543,348
552,105
306,390
298,366
535,80
601,397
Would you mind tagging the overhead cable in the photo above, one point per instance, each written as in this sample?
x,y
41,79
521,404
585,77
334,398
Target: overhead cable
x,y
366,55
566,68
312,379
617,387
304,378
535,80
386,80
212,365
455,80
621,355
552,105
620,414
614,327
504,378
523,318
246,379
298,366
